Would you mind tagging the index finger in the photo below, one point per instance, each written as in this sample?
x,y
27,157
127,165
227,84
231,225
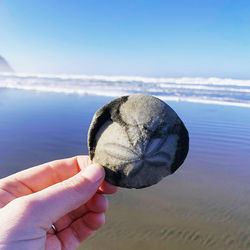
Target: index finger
x,y
37,178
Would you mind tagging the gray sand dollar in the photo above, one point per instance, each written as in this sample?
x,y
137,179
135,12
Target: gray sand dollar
x,y
138,139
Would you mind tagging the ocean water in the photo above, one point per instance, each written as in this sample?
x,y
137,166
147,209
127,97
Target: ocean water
x,y
199,90
204,205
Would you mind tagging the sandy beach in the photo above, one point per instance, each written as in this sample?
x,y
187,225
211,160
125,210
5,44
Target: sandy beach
x,y
204,205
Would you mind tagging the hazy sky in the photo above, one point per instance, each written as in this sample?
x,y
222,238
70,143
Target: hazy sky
x,y
127,37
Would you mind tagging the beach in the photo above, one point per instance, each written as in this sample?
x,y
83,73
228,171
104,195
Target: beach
x,y
204,205
61,61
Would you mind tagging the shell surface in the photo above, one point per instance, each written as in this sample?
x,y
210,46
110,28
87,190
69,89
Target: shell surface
x,y
138,139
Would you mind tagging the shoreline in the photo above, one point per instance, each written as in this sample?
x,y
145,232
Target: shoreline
x,y
219,91
108,95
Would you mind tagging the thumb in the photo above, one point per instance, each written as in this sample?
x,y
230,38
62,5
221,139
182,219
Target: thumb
x,y
52,203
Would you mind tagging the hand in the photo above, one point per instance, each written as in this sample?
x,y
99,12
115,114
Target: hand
x,y
66,193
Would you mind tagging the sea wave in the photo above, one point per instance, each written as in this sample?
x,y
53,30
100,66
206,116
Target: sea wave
x,y
223,91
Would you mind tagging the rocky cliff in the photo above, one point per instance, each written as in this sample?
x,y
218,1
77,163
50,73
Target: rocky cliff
x,y
4,66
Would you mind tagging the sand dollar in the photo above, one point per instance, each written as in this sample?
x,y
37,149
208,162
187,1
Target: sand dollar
x,y
138,139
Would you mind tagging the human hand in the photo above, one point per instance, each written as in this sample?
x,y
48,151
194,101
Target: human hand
x,y
66,193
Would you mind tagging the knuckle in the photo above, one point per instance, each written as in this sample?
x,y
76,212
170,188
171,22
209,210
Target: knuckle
x,y
102,220
73,185
29,204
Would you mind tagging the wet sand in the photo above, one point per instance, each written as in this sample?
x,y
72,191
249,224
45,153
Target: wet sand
x,y
204,205
182,212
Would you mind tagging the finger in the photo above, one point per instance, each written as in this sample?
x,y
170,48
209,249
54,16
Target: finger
x,y
98,204
37,178
40,177
81,229
94,220
107,188
5,197
58,200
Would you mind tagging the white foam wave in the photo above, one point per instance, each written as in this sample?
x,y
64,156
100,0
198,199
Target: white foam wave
x,y
201,90
180,80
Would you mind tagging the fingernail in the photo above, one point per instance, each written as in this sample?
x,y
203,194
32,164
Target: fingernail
x,y
94,172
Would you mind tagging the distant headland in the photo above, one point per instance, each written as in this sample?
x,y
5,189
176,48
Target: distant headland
x,y
4,66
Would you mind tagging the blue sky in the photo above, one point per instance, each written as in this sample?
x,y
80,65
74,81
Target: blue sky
x,y
127,37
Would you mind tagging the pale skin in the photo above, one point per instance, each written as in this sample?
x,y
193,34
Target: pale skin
x,y
67,193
